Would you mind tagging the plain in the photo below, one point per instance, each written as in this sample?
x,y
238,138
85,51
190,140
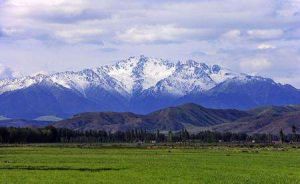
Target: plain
x,y
34,164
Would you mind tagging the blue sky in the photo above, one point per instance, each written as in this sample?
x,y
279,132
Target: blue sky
x,y
259,37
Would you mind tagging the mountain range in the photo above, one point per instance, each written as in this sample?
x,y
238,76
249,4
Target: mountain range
x,y
171,118
189,116
139,85
23,123
192,117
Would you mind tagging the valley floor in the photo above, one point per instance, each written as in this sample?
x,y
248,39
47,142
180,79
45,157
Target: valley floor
x,y
57,164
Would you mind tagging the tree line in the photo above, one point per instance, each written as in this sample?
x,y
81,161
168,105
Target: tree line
x,y
51,134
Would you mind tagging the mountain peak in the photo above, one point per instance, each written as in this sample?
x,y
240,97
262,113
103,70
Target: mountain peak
x,y
193,63
190,105
215,68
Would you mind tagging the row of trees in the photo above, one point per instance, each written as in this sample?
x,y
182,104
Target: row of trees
x,y
53,135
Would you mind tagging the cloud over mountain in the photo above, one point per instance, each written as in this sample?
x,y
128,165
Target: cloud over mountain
x,y
6,72
61,35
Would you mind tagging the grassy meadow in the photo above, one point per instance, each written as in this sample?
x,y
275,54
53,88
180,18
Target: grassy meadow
x,y
33,164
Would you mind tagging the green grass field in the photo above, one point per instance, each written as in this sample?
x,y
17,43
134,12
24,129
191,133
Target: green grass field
x,y
136,165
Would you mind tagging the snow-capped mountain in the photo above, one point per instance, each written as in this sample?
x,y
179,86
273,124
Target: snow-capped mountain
x,y
133,75
139,84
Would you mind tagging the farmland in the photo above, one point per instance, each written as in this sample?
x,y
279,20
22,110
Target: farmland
x,y
62,164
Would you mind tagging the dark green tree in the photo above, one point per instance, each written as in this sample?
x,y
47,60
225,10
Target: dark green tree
x,y
282,136
157,136
294,131
170,136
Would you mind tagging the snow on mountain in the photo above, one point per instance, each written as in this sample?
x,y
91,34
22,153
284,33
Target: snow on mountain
x,y
187,77
82,80
78,81
218,74
137,74
134,75
192,76
19,83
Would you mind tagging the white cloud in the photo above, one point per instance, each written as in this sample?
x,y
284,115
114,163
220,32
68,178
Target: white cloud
x,y
265,46
6,72
79,35
159,33
234,34
141,20
21,8
265,33
255,65
57,35
291,8
11,31
291,79
41,73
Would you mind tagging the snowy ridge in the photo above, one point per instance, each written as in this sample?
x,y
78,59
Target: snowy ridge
x,y
135,75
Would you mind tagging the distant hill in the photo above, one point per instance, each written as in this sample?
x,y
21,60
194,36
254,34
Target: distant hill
x,y
21,123
172,118
192,117
48,118
3,118
265,120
